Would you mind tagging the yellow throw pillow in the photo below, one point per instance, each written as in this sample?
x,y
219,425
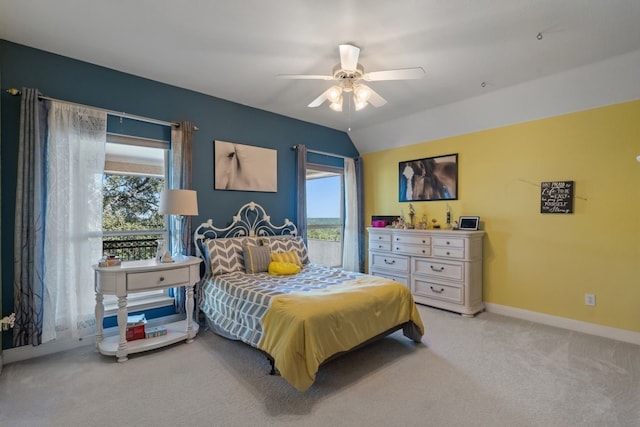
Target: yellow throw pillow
x,y
291,257
279,268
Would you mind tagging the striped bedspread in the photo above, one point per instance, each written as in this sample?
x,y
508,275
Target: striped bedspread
x,y
296,318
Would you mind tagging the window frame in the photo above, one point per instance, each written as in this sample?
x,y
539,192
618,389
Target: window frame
x,y
140,301
333,171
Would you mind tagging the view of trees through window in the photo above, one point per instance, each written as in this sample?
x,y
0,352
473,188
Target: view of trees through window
x,y
131,208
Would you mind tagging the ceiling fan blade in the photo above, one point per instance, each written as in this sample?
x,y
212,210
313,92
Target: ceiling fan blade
x,y
304,76
400,74
319,100
375,99
349,57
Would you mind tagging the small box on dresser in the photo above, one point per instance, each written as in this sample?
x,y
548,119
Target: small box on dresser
x,y
443,268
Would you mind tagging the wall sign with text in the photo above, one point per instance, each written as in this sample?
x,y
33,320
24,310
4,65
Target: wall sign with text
x,y
556,197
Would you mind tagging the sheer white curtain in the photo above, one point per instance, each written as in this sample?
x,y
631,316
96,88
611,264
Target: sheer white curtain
x,y
73,219
351,249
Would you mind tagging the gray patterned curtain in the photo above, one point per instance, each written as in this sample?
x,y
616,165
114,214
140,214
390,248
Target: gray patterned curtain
x,y
28,250
301,196
180,177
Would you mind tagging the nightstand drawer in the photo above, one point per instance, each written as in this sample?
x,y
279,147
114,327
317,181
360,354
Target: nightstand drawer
x,y
155,279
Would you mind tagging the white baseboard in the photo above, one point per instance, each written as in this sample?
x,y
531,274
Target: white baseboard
x,y
565,323
25,352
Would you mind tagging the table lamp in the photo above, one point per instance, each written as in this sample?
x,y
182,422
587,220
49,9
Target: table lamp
x,y
178,203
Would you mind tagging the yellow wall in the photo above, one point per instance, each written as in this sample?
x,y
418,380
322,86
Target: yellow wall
x,y
543,262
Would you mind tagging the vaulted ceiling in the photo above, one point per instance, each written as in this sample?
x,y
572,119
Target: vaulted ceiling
x,y
235,49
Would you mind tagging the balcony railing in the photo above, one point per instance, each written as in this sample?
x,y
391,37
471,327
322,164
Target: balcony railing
x,y
132,245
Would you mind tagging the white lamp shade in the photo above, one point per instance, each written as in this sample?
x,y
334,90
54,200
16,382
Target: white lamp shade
x,y
178,202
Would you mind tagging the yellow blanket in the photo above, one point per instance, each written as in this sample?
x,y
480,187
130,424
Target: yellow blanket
x,y
302,330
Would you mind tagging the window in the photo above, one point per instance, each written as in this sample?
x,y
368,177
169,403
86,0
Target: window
x,y
133,179
325,209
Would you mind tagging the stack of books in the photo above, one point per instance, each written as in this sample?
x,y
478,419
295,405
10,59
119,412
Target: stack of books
x,y
158,331
135,327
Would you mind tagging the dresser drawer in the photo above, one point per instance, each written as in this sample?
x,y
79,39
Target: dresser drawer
x,y
448,242
455,253
155,279
436,290
398,278
380,245
409,249
440,269
412,240
379,237
388,262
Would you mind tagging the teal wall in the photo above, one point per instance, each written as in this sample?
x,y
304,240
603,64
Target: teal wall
x,y
68,79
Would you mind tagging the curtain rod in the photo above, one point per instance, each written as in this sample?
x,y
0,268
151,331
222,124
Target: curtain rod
x,y
16,92
324,153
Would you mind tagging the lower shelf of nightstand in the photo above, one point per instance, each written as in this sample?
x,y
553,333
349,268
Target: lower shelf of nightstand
x,y
176,332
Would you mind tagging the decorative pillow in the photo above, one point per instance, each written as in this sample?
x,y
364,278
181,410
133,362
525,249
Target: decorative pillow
x,y
225,255
256,259
283,268
289,257
288,244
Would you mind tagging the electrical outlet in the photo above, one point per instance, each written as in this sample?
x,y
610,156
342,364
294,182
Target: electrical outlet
x,y
590,299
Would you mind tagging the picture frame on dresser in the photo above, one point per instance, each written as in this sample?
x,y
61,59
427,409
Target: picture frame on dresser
x,y
428,179
470,223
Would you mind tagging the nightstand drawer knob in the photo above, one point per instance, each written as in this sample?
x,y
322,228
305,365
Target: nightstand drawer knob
x,y
161,278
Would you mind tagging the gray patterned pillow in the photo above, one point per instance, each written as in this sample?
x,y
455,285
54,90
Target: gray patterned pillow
x,y
288,244
256,259
226,256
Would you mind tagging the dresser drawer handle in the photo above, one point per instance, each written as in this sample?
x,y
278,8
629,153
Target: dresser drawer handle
x,y
380,246
447,242
393,261
437,270
423,251
436,290
448,253
424,241
379,237
161,278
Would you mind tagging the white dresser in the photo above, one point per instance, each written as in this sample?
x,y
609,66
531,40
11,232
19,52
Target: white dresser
x,y
443,268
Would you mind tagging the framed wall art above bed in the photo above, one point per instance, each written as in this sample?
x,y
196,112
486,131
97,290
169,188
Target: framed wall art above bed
x,y
244,167
427,179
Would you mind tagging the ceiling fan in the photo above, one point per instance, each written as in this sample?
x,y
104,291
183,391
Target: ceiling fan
x,y
349,75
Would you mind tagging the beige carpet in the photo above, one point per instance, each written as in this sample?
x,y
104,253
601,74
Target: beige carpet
x,y
486,371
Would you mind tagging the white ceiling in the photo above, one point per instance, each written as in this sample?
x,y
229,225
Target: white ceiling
x,y
234,49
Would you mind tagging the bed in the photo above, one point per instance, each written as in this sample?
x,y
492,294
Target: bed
x,y
300,318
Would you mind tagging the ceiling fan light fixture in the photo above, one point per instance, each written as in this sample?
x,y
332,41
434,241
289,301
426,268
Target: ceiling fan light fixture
x,y
360,104
361,93
336,106
335,94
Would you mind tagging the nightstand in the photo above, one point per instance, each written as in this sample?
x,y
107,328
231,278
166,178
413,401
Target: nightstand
x,y
141,276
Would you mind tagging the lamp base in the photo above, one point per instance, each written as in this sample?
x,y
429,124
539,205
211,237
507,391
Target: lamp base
x,y
177,248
